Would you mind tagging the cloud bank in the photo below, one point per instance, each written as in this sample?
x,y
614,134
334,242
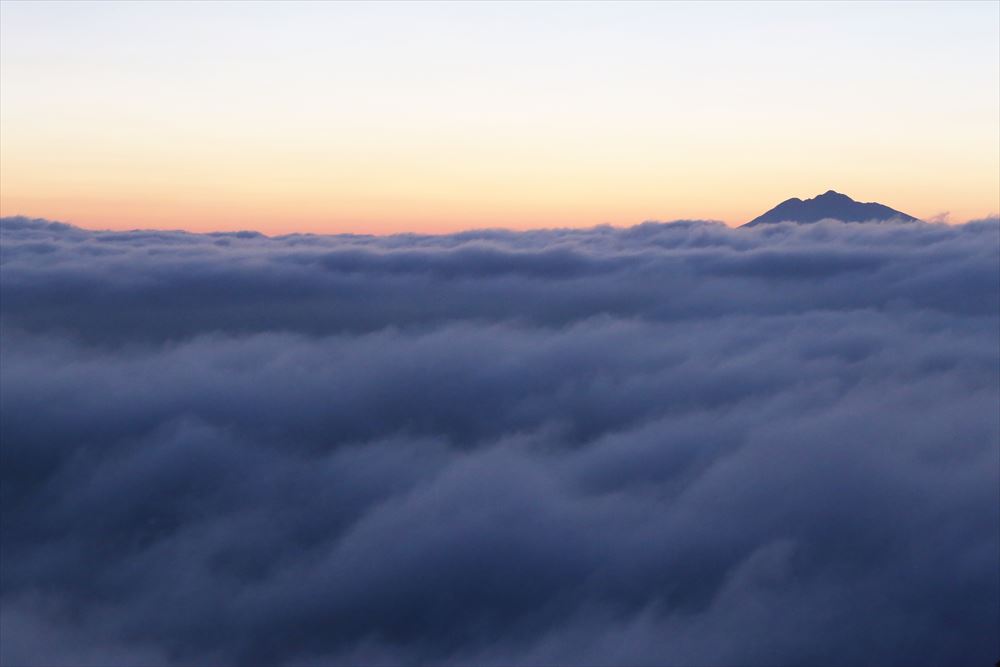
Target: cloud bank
x,y
669,444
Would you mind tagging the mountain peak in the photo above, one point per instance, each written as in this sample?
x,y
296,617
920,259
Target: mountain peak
x,y
829,205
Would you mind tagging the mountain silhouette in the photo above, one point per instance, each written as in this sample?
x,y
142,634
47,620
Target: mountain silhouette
x,y
829,205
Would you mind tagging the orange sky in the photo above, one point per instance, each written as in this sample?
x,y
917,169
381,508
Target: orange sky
x,y
329,117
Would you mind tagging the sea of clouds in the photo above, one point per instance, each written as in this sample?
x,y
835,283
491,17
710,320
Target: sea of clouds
x,y
671,444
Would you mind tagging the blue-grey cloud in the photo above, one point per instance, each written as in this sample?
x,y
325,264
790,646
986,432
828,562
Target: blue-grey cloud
x,y
669,444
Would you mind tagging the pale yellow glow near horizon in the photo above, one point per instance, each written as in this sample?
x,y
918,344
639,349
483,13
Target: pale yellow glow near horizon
x,y
390,117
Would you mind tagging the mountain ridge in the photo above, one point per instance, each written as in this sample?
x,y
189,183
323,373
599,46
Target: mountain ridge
x,y
829,205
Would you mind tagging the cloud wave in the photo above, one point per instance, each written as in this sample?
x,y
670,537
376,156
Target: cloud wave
x,y
668,444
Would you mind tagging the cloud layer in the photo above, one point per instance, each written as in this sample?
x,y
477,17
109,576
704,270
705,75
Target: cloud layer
x,y
669,444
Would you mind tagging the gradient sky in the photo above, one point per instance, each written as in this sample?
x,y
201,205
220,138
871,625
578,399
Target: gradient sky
x,y
433,117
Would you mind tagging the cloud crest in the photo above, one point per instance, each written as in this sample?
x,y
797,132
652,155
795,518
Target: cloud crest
x,y
668,444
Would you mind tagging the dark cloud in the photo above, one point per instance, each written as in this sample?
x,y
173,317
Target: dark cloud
x,y
670,444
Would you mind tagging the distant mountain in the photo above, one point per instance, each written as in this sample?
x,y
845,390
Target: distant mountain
x,y
829,205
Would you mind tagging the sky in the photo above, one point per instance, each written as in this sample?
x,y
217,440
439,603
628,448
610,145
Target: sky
x,y
389,117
